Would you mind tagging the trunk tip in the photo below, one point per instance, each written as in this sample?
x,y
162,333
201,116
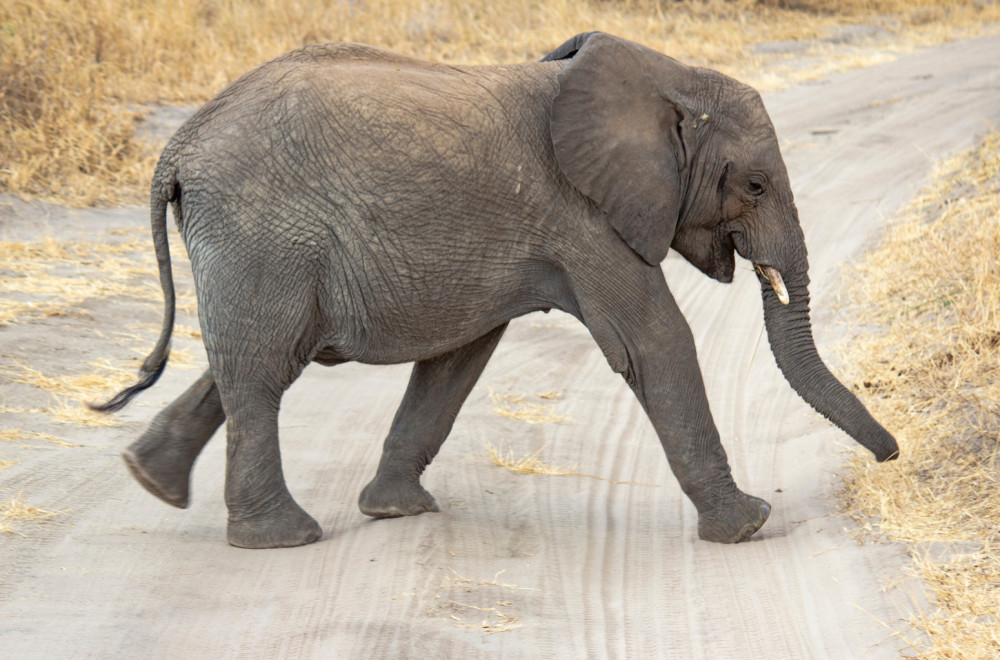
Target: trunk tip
x,y
891,456
883,445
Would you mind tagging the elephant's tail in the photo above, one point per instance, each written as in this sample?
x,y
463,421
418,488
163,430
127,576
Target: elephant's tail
x,y
164,190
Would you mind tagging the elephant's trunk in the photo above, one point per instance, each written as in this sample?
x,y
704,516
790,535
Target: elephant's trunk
x,y
790,335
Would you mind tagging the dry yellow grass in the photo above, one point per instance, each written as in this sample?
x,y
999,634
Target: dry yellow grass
x,y
527,464
72,74
51,278
186,331
18,434
16,510
533,464
930,370
69,393
521,408
80,387
488,616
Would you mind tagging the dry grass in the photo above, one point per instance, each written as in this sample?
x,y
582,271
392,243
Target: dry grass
x,y
69,393
533,464
80,387
930,370
528,463
72,74
51,278
16,510
523,409
493,615
492,619
20,435
186,331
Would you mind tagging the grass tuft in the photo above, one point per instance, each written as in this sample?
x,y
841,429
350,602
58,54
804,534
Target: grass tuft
x,y
519,407
527,464
17,510
70,393
533,464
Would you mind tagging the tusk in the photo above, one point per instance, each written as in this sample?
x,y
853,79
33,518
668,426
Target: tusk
x,y
778,284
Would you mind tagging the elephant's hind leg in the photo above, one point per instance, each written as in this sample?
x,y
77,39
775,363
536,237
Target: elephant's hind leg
x,y
253,364
262,512
162,458
437,390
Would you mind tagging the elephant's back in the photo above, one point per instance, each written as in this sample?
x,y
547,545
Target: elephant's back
x,y
348,128
314,82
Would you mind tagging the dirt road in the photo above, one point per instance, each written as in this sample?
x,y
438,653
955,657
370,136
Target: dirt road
x,y
516,566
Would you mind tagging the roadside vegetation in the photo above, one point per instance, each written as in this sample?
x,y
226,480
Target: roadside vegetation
x,y
929,368
76,76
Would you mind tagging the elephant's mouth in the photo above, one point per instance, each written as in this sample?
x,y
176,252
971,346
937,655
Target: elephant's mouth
x,y
723,263
773,277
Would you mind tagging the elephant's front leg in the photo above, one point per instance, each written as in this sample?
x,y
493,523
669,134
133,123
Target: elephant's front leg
x,y
646,338
437,389
162,457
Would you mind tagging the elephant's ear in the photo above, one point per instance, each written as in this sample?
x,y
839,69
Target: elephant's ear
x,y
616,128
569,48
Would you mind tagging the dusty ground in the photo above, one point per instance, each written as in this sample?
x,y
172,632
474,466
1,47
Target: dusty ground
x,y
557,566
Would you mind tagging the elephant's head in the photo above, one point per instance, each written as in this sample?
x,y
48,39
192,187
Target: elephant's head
x,y
687,158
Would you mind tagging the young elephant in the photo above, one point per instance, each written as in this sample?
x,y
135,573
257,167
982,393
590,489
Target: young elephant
x,y
346,203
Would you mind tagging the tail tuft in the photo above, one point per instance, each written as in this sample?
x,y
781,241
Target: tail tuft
x,y
148,375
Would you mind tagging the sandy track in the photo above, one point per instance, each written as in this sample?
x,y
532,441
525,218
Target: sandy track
x,y
579,567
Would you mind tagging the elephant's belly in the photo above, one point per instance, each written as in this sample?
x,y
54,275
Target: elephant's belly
x,y
446,289
328,357
406,333
410,343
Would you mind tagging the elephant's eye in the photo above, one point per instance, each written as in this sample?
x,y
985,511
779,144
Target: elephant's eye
x,y
755,187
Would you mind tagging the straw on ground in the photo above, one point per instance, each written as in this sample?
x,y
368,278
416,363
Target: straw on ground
x,y
51,278
493,615
18,434
523,409
69,393
16,510
532,463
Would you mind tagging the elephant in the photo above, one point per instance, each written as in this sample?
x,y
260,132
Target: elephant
x,y
345,203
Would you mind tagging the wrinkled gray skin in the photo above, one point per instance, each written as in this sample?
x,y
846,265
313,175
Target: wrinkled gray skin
x,y
345,203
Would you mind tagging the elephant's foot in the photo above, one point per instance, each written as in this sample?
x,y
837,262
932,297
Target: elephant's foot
x,y
733,521
388,498
160,470
284,526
